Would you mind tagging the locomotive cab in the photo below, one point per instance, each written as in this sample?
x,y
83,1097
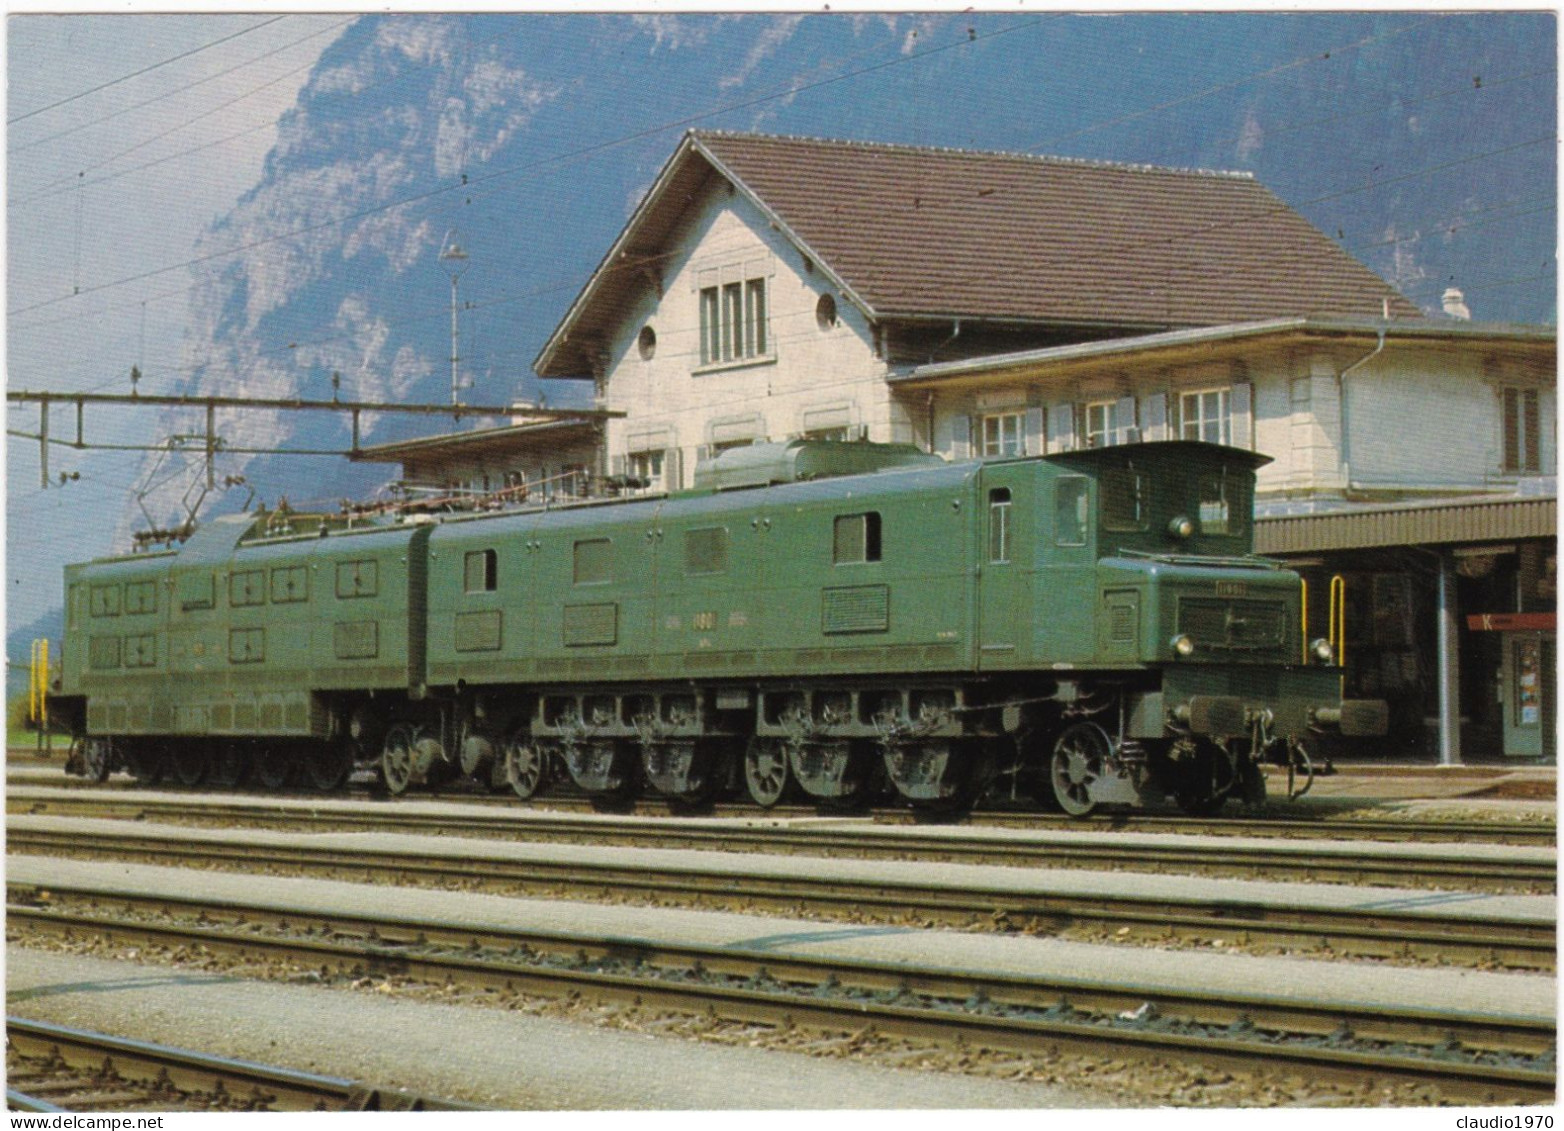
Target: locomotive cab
x,y
1194,644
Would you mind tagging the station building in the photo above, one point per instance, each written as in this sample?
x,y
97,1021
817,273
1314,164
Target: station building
x,y
987,305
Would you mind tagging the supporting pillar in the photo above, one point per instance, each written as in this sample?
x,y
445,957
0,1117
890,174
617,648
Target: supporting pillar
x,y
43,441
211,447
1449,666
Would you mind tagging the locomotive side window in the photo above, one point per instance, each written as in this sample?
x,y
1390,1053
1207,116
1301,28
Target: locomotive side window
x,y
358,579
1124,499
1071,503
482,571
706,550
999,525
290,583
247,587
856,539
594,562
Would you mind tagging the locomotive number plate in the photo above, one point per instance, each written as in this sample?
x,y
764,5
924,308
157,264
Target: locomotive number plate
x,y
1231,588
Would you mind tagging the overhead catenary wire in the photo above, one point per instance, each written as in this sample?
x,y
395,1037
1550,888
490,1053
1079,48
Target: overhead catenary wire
x,y
142,71
469,183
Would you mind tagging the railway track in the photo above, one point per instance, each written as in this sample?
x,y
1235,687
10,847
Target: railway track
x,y
1466,1057
54,1068
1471,867
1397,925
1280,819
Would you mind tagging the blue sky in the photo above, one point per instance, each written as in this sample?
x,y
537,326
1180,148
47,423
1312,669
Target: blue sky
x,y
130,138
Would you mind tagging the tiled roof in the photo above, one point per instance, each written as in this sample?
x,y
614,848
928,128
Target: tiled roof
x,y
910,232
919,231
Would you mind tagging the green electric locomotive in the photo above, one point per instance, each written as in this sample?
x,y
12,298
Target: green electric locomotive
x,y
1087,629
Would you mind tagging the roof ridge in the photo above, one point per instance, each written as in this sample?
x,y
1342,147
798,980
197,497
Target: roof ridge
x,y
1015,155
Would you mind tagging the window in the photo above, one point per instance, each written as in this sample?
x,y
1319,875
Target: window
x,y
1522,431
1104,429
1216,515
733,322
594,562
1070,510
999,525
647,467
1203,415
1001,434
1124,499
706,550
480,573
839,435
358,579
856,539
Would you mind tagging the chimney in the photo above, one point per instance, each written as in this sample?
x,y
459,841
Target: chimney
x,y
1455,305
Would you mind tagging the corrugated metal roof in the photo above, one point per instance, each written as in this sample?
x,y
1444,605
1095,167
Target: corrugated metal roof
x,y
478,442
910,232
1491,520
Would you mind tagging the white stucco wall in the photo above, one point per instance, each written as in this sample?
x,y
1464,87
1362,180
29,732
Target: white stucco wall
x,y
814,377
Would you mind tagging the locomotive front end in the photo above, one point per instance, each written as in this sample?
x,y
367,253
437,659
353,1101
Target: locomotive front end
x,y
1216,673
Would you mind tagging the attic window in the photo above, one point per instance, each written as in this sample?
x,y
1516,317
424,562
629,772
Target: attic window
x,y
734,325
647,342
825,312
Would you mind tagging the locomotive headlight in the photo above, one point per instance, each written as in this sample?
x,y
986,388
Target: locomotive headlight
x,y
1181,527
1183,644
1322,651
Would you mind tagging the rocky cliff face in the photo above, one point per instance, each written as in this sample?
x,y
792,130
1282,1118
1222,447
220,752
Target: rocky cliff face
x,y
1408,136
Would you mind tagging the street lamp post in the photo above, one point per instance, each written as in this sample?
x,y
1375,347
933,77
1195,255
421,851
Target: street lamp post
x,y
455,261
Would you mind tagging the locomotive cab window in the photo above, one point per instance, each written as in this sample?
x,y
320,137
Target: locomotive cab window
x,y
1216,506
856,539
482,571
1125,500
999,525
1071,501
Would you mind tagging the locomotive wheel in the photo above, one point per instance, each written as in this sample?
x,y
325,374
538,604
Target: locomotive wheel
x,y
526,766
1078,759
1205,779
327,768
97,759
766,774
230,767
146,765
396,759
188,761
274,766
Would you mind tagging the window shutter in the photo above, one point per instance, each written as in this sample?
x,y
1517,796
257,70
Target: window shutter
x,y
1154,417
1034,433
1124,421
673,468
702,454
617,466
960,437
1241,407
1061,427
